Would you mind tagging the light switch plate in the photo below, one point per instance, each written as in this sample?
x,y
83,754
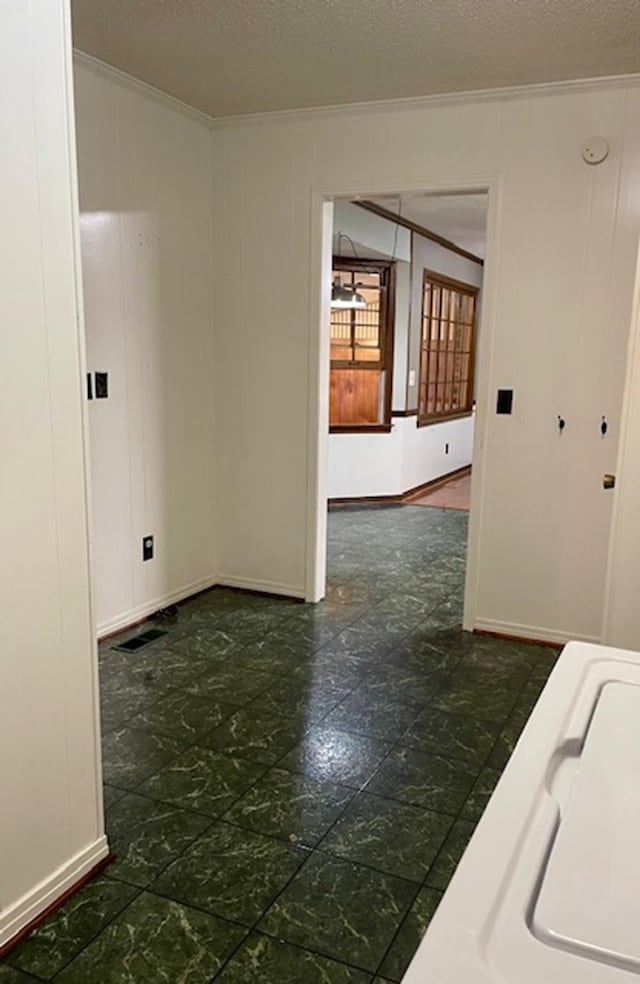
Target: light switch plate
x,y
101,385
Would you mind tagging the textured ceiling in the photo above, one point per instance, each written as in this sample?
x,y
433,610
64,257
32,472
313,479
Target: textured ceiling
x,y
243,56
460,218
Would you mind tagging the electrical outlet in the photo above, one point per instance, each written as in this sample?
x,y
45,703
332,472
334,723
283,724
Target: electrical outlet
x,y
147,548
412,377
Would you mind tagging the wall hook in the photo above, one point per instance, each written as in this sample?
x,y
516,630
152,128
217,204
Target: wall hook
x,y
561,424
604,426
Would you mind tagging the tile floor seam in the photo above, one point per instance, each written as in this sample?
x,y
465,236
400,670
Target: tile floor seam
x,y
505,722
36,977
387,627
197,908
358,792
163,802
304,949
279,761
134,787
167,898
99,933
280,893
383,871
208,815
253,928
321,953
456,818
230,956
163,696
183,850
220,819
362,680
397,641
309,848
188,746
268,770
399,930
124,722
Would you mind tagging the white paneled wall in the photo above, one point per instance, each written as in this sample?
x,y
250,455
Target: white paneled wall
x,y
147,245
362,465
51,827
557,303
430,452
621,623
372,235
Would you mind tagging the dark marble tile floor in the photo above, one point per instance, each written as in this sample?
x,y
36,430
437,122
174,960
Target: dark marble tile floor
x,y
289,788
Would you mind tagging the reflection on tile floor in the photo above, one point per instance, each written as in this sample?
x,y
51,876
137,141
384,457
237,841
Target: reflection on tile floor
x,y
289,788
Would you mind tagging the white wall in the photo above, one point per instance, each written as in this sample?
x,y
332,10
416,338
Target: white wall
x,y
377,236
430,452
362,465
147,241
401,336
558,288
51,829
621,621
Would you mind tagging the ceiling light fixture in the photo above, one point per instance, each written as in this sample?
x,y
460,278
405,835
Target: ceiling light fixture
x,y
346,298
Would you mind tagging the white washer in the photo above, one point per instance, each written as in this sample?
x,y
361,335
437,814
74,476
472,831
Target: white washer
x,y
548,890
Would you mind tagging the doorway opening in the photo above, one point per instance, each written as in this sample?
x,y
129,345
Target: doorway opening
x,y
406,274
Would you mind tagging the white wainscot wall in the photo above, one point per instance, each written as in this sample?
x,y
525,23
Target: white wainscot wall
x,y
51,822
147,242
362,465
558,288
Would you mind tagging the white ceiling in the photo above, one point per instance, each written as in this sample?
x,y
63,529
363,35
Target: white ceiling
x,y
460,218
243,56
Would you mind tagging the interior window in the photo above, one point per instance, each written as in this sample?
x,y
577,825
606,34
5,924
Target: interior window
x,y
447,348
362,347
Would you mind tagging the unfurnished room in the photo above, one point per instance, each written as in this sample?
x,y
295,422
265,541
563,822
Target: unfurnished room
x,y
320,430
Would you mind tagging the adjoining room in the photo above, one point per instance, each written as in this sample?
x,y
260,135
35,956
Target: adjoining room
x,y
402,379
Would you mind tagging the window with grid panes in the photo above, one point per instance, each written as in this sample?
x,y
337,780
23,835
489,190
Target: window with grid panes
x,y
362,347
447,348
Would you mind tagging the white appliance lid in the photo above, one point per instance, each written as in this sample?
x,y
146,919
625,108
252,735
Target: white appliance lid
x,y
591,884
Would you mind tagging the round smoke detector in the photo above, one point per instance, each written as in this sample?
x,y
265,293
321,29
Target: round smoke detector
x,y
595,150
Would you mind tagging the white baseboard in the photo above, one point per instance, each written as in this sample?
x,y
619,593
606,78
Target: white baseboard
x,y
126,619
531,632
135,614
270,587
15,917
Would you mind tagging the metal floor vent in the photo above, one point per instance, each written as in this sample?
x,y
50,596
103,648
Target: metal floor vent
x,y
132,645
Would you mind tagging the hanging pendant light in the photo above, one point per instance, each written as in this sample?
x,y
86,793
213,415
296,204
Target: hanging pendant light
x,y
342,297
346,298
